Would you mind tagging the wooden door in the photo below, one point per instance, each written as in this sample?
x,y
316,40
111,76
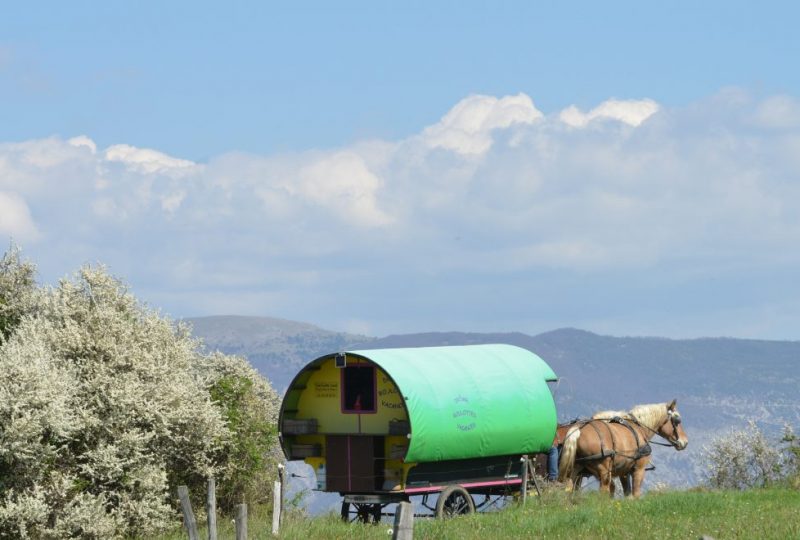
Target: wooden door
x,y
351,461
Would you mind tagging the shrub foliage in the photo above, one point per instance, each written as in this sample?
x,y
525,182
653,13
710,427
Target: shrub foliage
x,y
106,406
746,458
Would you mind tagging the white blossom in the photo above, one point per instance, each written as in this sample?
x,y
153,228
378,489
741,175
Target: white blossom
x,y
104,409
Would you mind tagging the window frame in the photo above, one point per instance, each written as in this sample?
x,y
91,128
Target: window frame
x,y
343,386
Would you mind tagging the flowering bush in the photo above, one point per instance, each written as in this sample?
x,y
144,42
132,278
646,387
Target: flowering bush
x,y
250,408
105,407
17,290
792,442
745,458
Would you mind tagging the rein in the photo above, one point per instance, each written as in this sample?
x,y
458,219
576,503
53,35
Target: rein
x,y
655,432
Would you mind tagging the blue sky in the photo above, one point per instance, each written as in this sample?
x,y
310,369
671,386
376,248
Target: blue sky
x,y
629,169
197,79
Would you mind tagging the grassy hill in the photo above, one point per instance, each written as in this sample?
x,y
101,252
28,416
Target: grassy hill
x,y
764,514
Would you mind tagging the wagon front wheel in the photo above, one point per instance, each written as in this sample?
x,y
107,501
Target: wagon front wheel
x,y
454,501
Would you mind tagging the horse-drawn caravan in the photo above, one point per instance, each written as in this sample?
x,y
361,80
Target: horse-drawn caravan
x,y
380,426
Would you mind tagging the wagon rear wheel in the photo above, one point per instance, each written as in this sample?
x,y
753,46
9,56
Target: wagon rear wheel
x,y
454,501
363,512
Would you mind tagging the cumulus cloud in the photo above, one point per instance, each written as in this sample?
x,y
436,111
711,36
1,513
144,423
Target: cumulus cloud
x,y
778,112
631,112
145,160
15,218
467,128
343,184
494,192
83,141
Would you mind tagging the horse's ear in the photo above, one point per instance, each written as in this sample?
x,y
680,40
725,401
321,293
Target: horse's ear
x,y
671,406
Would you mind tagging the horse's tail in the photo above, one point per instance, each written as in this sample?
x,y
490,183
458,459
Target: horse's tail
x,y
567,459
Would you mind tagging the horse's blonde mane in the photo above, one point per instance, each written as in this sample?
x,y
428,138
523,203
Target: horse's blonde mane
x,y
651,415
608,415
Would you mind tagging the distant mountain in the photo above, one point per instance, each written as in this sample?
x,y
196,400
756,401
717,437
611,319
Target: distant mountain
x,y
597,372
275,347
720,383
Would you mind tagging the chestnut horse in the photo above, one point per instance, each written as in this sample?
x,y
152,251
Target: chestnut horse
x,y
615,443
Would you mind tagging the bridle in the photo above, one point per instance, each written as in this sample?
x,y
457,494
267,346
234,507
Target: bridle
x,y
674,417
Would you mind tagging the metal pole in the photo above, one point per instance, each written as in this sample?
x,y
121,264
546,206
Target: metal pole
x,y
524,460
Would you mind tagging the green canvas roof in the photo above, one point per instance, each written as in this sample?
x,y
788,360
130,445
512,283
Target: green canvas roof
x,y
471,401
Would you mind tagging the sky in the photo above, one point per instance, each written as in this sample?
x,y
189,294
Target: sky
x,y
382,168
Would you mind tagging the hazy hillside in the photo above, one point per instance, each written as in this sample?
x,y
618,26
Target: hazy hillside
x,y
276,347
719,383
738,377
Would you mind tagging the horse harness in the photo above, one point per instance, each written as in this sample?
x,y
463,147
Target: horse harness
x,y
642,450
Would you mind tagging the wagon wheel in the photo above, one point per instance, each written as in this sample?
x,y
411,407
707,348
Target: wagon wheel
x,y
363,512
454,501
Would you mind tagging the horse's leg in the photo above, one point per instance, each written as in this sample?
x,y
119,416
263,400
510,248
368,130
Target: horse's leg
x,y
604,469
579,479
625,480
574,483
638,477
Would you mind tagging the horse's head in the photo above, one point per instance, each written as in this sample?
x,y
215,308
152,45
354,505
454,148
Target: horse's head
x,y
672,428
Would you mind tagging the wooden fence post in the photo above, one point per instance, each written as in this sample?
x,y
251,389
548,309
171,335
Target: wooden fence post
x,y
403,522
276,507
188,515
524,486
282,480
211,508
241,522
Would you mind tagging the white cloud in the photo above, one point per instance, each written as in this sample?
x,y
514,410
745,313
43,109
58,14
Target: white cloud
x,y
631,112
467,127
495,192
147,161
83,141
342,184
105,207
172,201
15,218
778,112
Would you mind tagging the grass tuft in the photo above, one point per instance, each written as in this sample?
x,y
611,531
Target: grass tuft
x,y
759,513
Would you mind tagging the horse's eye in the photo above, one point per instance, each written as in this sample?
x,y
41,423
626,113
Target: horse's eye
x,y
676,419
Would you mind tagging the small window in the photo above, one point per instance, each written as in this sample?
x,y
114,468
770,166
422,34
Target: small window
x,y
359,384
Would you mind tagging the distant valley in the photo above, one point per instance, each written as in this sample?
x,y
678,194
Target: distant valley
x,y
720,383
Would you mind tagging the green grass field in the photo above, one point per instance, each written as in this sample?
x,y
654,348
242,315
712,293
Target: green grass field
x,y
756,514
